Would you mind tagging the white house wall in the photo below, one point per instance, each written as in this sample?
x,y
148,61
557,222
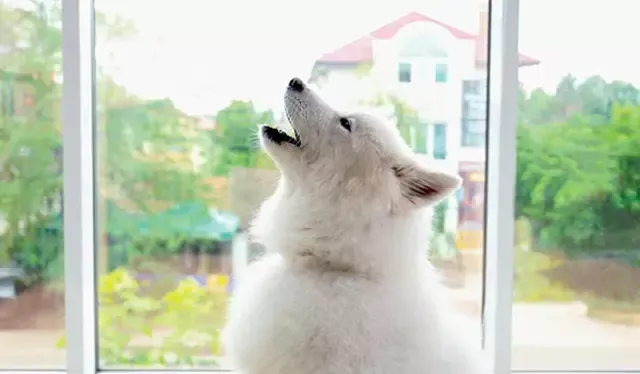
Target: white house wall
x,y
343,85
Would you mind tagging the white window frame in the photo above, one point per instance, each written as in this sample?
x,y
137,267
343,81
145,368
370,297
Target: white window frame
x,y
79,188
79,185
501,177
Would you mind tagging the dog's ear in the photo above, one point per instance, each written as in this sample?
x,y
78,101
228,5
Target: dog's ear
x,y
421,186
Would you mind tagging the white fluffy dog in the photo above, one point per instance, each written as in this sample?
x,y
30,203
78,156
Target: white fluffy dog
x,y
345,287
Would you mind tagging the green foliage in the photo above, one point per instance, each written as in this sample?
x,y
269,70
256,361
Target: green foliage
x,y
562,170
442,245
440,216
578,180
30,144
39,28
523,234
235,136
31,183
40,254
140,138
530,283
589,102
408,123
171,330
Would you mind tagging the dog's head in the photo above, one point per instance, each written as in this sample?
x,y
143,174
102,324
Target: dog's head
x,y
349,158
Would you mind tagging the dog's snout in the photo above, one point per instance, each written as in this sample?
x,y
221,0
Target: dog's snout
x,y
296,85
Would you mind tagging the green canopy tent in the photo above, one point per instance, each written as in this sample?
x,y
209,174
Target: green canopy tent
x,y
187,221
167,231
191,220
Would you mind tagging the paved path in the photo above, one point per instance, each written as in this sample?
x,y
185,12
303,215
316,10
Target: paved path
x,y
553,336
562,337
31,349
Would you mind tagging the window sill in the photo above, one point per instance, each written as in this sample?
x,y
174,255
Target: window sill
x,y
209,371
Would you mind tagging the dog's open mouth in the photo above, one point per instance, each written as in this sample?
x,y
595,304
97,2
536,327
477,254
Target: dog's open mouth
x,y
279,136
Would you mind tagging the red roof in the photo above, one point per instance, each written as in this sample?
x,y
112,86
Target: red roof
x,y
360,50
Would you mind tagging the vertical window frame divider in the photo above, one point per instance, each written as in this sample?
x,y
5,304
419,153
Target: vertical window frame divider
x,y
78,111
500,183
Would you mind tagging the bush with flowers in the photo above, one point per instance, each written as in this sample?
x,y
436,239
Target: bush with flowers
x,y
181,328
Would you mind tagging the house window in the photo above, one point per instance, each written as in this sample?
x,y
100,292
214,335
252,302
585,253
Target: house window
x,y
473,133
442,73
404,72
471,87
474,107
439,141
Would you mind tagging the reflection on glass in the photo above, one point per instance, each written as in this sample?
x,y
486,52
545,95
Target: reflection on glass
x,y
180,173
31,245
577,252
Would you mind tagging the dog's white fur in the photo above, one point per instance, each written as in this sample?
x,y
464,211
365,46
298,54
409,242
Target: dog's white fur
x,y
345,287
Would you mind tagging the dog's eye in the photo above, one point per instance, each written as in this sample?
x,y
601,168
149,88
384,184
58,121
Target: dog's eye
x,y
346,123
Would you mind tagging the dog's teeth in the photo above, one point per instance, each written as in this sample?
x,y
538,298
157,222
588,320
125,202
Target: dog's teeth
x,y
287,130
284,129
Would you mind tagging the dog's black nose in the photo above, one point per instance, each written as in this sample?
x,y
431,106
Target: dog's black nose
x,y
296,84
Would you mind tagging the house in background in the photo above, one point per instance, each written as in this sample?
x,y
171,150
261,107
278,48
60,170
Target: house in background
x,y
439,71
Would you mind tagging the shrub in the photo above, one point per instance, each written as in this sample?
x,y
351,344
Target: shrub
x,y
604,279
530,282
182,325
523,234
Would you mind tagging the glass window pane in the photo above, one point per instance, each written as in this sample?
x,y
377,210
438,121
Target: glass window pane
x,y
442,72
31,238
404,72
181,174
439,141
474,113
577,254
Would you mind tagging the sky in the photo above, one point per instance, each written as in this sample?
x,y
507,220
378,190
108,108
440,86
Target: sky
x,y
203,53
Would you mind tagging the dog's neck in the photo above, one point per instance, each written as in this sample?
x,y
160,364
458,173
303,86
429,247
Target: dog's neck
x,y
374,247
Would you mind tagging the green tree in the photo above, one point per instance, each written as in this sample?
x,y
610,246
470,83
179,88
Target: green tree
x,y
563,173
579,184
31,183
148,153
408,122
235,138
536,108
566,98
588,102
